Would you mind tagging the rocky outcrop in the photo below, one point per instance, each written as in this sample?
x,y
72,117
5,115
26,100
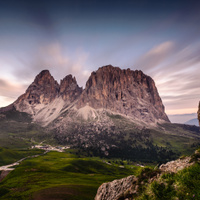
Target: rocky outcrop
x,y
43,90
115,189
69,89
131,187
176,165
127,92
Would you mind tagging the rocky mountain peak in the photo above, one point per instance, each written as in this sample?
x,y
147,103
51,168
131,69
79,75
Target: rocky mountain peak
x,y
69,89
45,80
124,91
43,90
67,81
43,73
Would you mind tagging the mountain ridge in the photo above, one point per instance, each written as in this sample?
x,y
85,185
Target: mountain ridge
x,y
126,92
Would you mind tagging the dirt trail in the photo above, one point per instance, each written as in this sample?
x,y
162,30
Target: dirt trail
x,y
7,168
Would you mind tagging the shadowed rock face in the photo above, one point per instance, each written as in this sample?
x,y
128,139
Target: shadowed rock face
x,y
69,89
198,113
128,92
44,89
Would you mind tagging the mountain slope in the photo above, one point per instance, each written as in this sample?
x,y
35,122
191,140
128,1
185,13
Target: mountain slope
x,y
127,92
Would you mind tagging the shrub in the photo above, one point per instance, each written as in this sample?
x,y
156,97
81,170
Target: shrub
x,y
163,191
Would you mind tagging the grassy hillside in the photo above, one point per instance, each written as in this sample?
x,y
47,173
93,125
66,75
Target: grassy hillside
x,y
185,184
18,134
59,176
8,156
119,139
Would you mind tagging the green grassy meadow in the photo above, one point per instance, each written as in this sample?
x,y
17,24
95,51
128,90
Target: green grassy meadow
x,y
60,176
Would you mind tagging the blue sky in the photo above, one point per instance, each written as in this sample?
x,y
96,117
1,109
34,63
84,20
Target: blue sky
x,y
159,37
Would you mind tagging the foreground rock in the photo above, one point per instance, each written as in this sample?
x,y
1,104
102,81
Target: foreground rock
x,y
131,187
113,190
175,166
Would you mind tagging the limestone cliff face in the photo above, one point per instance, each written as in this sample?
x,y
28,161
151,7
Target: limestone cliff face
x,y
128,92
45,98
44,89
69,89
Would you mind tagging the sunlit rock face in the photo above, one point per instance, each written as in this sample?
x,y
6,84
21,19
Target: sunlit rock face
x,y
115,189
126,92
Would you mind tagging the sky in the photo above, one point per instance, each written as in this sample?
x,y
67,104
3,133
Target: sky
x,y
159,37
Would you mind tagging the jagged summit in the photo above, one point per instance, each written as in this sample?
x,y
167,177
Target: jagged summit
x,y
126,92
69,89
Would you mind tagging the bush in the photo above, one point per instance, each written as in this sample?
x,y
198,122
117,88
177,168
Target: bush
x,y
3,191
189,182
163,191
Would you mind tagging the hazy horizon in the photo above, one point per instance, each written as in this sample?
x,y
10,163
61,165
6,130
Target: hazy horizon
x,y
159,37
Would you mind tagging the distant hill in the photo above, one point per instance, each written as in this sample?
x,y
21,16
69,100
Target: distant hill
x,y
193,122
182,118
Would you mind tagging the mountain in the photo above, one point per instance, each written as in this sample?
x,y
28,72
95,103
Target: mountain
x,y
182,118
119,114
193,122
129,93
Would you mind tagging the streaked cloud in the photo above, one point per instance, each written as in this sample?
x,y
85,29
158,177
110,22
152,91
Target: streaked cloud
x,y
9,91
58,60
155,56
77,37
175,71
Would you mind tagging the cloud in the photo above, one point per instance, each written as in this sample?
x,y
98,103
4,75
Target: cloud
x,y
54,57
58,60
155,56
175,69
9,91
